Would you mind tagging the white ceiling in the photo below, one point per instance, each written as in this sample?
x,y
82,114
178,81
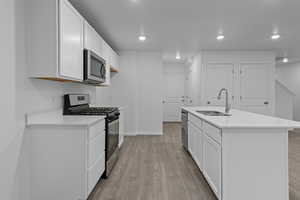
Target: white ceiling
x,y
192,25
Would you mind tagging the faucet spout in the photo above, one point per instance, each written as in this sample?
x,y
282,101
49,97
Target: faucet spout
x,y
227,105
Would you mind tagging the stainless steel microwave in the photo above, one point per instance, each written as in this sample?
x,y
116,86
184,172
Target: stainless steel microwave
x,y
94,68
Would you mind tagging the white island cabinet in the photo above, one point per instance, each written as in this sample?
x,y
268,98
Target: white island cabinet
x,y
67,155
242,156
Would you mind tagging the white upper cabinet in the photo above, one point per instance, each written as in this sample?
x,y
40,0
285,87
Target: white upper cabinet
x,y
71,42
55,42
106,55
92,40
114,61
58,36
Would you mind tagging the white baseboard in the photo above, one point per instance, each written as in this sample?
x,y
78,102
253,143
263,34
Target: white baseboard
x,y
143,133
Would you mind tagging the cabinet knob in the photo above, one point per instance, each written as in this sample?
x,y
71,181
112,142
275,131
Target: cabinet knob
x,y
266,103
208,102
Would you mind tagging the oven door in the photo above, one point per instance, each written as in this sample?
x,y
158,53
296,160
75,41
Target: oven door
x,y
112,136
94,67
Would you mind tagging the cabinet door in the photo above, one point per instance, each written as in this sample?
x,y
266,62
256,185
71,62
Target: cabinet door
x,y
212,164
190,137
196,144
199,150
106,55
255,88
114,60
218,76
92,40
71,42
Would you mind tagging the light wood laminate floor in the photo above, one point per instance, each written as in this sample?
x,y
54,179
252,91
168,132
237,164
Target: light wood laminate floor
x,y
157,168
294,165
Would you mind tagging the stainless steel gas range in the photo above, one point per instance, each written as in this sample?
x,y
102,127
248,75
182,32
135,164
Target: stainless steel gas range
x,y
78,104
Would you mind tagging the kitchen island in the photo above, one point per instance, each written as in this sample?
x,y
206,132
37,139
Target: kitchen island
x,y
242,156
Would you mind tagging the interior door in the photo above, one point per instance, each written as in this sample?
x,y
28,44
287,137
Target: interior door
x,y
174,81
71,42
255,88
218,76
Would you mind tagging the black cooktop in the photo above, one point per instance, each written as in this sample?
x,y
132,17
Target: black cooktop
x,y
94,111
78,104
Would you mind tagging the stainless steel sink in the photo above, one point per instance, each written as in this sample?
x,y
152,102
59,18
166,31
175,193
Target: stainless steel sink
x,y
212,113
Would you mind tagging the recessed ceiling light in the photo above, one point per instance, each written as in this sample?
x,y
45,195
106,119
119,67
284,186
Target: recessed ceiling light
x,y
285,60
220,37
142,38
178,57
275,36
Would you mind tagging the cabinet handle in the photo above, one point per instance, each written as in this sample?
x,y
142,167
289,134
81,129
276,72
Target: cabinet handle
x,y
266,103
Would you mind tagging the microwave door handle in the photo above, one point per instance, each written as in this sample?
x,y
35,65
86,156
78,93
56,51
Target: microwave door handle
x,y
103,71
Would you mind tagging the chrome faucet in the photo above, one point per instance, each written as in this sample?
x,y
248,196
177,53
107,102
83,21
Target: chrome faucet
x,y
227,105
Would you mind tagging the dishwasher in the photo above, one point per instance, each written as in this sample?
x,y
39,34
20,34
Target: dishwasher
x,y
184,129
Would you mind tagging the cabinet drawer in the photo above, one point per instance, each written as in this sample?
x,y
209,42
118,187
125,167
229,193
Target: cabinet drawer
x,y
96,129
195,120
212,132
96,148
95,172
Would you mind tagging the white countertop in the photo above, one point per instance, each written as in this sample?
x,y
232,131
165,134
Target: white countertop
x,y
242,119
56,118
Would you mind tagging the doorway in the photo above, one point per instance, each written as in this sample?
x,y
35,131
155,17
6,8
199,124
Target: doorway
x,y
174,91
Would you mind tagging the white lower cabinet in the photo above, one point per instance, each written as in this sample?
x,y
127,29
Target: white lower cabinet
x,y
212,164
66,161
199,150
196,143
205,148
95,172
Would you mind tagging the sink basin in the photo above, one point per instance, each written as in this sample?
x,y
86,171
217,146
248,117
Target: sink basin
x,y
212,113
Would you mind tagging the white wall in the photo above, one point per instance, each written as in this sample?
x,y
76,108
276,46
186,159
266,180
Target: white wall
x,y
289,75
138,88
21,95
9,140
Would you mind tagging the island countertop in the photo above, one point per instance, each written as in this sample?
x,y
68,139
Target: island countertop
x,y
241,119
